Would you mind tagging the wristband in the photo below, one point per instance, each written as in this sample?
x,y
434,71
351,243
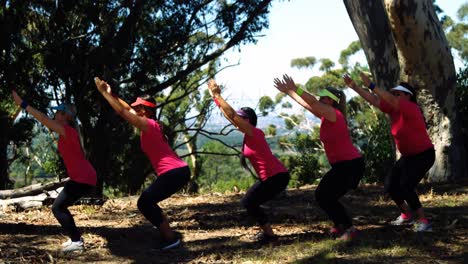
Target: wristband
x,y
216,101
24,104
372,86
299,91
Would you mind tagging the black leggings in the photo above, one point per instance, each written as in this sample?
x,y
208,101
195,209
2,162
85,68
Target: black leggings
x,y
342,177
261,192
405,175
70,194
163,187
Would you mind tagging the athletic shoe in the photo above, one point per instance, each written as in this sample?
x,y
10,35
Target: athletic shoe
x,y
350,234
166,245
422,226
73,246
263,238
336,231
66,243
402,220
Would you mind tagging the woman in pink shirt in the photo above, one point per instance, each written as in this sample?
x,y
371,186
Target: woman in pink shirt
x,y
411,138
347,164
81,172
173,173
273,177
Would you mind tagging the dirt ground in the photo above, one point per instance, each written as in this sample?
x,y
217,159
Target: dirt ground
x,y
216,229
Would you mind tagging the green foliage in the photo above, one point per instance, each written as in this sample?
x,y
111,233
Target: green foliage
x,y
271,130
221,173
456,32
369,128
330,78
352,49
265,104
53,51
309,163
326,65
304,63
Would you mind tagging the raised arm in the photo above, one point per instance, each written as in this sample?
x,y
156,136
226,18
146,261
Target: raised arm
x,y
242,124
381,93
120,106
368,96
41,117
305,99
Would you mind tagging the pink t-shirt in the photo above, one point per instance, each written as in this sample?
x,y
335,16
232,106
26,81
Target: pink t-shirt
x,y
257,150
408,127
154,145
78,168
336,140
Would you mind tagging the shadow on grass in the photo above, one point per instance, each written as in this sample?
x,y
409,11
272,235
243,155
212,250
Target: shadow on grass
x,y
137,243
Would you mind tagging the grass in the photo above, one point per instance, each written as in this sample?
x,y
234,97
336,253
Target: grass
x,y
216,230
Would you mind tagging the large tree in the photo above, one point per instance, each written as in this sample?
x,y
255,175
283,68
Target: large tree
x,y
140,46
404,41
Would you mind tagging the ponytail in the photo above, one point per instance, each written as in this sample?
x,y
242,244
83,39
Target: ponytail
x,y
243,161
341,105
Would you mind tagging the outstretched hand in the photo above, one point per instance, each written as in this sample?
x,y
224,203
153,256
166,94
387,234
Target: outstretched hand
x,y
18,100
365,79
284,85
213,88
102,86
349,82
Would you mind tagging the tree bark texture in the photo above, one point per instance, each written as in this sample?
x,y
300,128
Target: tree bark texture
x,y
404,41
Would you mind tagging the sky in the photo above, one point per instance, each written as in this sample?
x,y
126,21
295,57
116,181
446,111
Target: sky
x,y
298,28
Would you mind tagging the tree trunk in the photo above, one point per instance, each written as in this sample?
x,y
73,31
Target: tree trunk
x,y
5,127
422,58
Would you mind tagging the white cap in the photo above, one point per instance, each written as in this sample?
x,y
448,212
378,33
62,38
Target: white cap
x,y
403,89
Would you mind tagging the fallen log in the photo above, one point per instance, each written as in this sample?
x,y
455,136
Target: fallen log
x,y
31,190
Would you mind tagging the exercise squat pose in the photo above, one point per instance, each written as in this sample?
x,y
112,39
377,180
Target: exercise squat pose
x,y
273,177
81,172
347,164
173,173
417,151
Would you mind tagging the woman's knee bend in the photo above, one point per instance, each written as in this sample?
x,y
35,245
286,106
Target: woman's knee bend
x,y
57,209
144,201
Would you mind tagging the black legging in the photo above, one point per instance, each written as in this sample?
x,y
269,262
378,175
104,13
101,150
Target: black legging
x,y
342,177
405,175
71,193
163,187
261,192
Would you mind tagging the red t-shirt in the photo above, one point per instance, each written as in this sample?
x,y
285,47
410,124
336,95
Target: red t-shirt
x,y
154,145
78,168
257,150
336,140
408,127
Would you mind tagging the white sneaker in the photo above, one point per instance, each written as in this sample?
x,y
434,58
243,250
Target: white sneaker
x,y
73,246
66,243
420,226
401,221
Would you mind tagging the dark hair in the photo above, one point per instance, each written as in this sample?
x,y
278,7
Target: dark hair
x,y
412,89
252,116
341,105
150,99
